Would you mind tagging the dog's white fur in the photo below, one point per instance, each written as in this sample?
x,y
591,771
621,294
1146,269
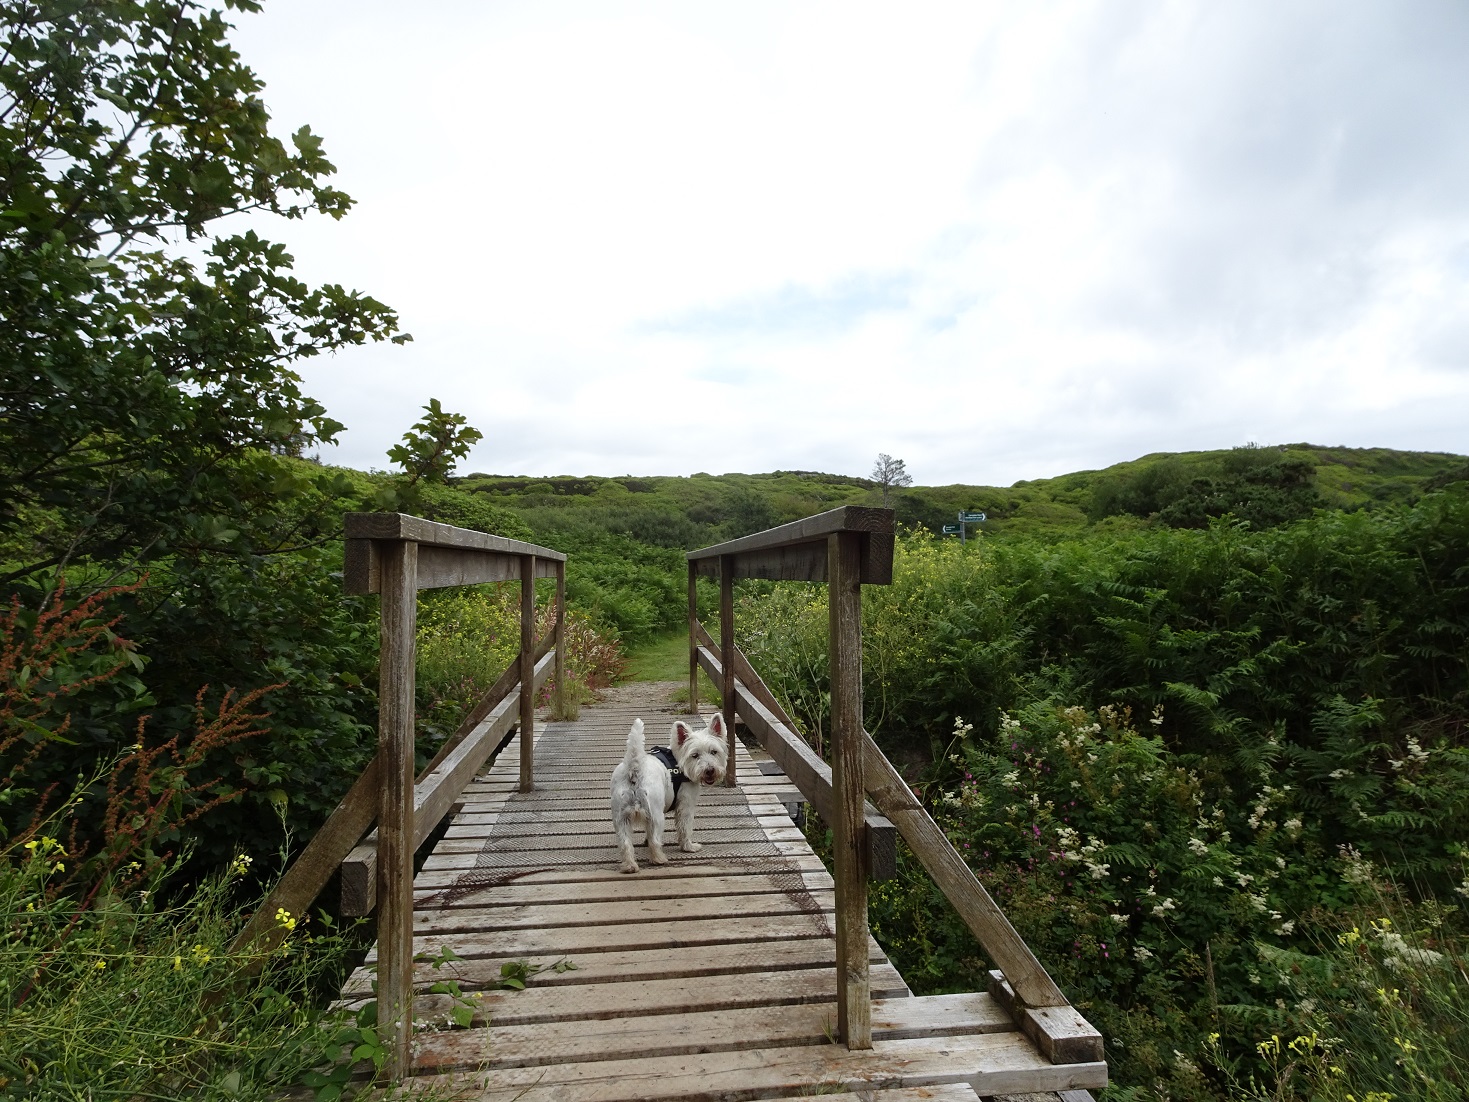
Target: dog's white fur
x,y
642,790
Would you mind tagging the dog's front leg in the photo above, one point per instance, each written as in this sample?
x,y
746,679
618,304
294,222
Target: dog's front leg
x,y
683,817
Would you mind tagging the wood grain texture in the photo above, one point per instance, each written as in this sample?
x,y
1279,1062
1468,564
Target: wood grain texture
x,y
1060,1032
990,1063
399,616
846,518
849,851
401,526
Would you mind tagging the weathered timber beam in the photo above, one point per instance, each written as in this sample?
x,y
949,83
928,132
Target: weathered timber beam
x,y
797,551
807,771
401,526
887,789
436,793
1062,1035
437,566
308,874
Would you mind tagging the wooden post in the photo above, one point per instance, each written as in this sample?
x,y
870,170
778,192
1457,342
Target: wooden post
x,y
527,672
693,639
844,595
399,559
726,646
560,639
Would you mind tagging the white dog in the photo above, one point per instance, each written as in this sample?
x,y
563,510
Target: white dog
x,y
646,784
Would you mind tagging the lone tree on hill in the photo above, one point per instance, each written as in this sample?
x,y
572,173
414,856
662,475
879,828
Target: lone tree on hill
x,y
891,474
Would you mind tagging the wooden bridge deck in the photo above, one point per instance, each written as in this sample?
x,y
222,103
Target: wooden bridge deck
x,y
710,978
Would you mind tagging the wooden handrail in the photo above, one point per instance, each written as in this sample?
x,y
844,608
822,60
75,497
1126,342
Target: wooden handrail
x,y
333,846
437,788
846,548
802,764
797,552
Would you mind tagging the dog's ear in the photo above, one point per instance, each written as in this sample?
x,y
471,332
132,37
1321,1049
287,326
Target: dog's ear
x,y
716,725
681,732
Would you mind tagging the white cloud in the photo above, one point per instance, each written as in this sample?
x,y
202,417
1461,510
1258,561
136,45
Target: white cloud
x,y
1000,241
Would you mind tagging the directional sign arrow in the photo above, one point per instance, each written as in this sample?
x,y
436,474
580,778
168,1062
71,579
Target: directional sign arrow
x,y
973,518
951,529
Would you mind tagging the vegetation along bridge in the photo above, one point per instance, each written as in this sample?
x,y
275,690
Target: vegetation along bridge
x,y
742,971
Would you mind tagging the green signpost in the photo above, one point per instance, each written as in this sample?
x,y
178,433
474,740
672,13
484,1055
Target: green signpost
x,y
965,519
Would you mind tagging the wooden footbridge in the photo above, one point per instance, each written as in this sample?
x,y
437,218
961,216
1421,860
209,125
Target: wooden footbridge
x,y
741,971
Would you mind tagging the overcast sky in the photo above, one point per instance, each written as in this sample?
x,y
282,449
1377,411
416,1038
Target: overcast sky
x,y
999,241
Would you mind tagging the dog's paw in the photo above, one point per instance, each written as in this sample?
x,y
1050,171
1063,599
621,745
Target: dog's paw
x,y
659,858
691,847
631,866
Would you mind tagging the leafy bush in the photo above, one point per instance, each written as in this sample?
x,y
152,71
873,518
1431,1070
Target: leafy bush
x,y
468,637
1302,696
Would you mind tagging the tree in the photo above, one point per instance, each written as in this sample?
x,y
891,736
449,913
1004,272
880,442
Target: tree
x,y
143,391
891,474
150,399
434,444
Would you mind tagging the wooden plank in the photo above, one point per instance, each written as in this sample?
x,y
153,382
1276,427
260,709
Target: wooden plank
x,y
532,843
545,916
994,1063
1062,1035
667,1031
806,864
874,528
957,881
444,566
433,796
746,674
679,962
849,851
809,773
775,993
570,941
399,613
401,526
712,852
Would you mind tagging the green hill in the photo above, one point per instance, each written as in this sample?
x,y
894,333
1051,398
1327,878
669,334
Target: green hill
x,y
1266,486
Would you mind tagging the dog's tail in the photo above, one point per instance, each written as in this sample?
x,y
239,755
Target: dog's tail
x,y
633,759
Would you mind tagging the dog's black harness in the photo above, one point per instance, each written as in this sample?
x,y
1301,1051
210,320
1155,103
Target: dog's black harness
x,y
665,755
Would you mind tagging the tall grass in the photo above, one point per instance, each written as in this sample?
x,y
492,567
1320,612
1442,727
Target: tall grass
x,y
137,994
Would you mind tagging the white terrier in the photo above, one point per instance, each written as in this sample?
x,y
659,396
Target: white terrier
x,y
645,785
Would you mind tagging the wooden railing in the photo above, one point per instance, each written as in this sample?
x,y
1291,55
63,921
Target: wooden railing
x,y
395,556
847,548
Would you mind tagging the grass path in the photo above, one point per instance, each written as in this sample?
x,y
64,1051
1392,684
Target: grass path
x,y
666,658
